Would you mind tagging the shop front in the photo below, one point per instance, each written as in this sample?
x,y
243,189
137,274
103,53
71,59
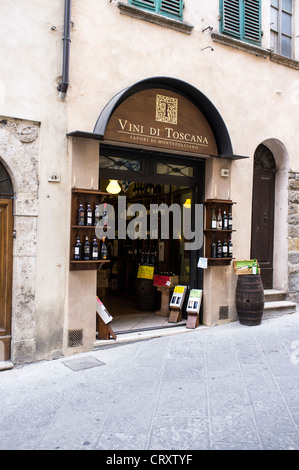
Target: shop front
x,y
151,178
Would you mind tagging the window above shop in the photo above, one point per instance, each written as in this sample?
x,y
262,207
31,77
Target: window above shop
x,y
282,27
166,13
170,8
241,20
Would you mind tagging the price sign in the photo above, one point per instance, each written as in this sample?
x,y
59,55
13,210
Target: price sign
x,y
145,272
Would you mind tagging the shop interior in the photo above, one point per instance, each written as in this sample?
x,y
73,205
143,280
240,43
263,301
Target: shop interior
x,y
132,301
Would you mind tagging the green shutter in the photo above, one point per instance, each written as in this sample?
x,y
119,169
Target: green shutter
x,y
230,16
172,8
242,19
252,20
146,4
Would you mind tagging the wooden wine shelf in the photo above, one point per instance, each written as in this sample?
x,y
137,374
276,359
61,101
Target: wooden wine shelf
x,y
89,191
85,265
219,261
92,196
211,233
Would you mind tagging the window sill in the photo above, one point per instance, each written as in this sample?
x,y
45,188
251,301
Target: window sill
x,y
280,59
256,50
241,45
154,18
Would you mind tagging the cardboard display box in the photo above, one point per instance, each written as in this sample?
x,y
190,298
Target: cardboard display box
x,y
245,267
166,281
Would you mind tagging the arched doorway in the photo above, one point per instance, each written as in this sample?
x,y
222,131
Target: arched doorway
x,y
6,235
263,210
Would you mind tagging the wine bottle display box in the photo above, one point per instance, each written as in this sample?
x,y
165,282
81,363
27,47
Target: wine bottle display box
x,y
218,231
84,216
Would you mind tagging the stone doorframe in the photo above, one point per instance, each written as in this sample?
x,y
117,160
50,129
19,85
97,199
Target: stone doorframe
x,y
19,154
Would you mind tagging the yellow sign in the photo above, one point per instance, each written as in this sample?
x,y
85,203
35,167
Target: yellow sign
x,y
145,272
179,289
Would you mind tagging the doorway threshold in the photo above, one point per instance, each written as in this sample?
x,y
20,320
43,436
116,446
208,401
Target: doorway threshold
x,y
149,328
145,334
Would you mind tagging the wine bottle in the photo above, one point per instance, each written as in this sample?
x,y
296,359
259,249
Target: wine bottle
x,y
81,214
86,249
96,214
147,253
140,249
135,249
219,220
219,249
230,249
154,254
224,249
105,215
213,249
104,250
88,215
214,220
255,267
224,221
95,249
230,222
78,249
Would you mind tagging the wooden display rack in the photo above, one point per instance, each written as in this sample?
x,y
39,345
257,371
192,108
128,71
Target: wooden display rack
x,y
175,315
92,196
193,308
192,320
103,319
104,331
210,205
177,303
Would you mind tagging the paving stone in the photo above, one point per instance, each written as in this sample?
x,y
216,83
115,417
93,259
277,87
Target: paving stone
x,y
223,388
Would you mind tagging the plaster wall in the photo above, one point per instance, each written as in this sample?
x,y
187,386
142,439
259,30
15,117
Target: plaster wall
x,y
81,294
31,33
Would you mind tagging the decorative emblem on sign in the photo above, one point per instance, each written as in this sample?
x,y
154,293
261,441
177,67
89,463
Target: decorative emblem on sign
x,y
166,109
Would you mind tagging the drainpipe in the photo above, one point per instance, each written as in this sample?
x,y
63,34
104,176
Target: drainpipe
x,y
63,86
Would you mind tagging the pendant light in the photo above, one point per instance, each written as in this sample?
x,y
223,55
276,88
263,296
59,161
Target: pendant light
x,y
187,204
113,187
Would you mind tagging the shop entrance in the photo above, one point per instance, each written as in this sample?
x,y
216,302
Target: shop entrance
x,y
152,180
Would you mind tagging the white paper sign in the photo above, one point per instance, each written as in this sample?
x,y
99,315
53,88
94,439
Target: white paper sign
x,y
202,263
102,311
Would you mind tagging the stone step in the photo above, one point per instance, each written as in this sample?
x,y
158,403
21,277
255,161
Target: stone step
x,y
274,295
6,365
278,308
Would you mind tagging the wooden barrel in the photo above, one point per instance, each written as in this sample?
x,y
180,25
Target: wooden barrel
x,y
146,295
250,299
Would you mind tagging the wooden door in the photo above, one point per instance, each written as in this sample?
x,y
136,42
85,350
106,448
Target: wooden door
x,y
6,233
262,229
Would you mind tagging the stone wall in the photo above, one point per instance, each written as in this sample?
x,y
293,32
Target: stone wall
x,y
293,221
19,153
